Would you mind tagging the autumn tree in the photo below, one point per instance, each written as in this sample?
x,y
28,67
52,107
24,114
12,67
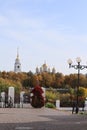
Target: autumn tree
x,y
59,80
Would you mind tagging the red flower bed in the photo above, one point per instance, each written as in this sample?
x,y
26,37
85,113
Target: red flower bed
x,y
37,98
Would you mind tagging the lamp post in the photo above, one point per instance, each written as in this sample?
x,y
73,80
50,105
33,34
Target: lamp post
x,y
77,67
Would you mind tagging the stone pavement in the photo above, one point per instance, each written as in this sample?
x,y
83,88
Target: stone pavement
x,y
20,115
40,119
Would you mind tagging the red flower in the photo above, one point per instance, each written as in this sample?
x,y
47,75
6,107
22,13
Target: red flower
x,y
37,98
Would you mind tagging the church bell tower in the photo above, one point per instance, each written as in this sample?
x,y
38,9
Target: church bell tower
x,y
17,65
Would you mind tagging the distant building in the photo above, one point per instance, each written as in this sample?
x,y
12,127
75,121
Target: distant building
x,y
44,68
39,70
17,65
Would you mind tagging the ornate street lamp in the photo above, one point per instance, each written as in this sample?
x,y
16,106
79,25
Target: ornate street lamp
x,y
77,67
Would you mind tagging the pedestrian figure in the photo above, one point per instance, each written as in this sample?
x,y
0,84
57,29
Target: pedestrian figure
x,y
6,100
83,105
73,107
10,102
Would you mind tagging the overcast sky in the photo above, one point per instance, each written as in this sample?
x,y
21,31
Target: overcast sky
x,y
44,30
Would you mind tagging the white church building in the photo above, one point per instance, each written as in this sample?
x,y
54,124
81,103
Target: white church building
x,y
43,68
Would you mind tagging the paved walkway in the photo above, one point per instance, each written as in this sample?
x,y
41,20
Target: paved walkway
x,y
40,119
19,115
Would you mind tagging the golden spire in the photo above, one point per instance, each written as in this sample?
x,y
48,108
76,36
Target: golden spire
x,y
45,65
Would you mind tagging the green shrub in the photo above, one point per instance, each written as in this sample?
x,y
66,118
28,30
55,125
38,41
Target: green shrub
x,y
49,105
81,92
65,100
52,96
